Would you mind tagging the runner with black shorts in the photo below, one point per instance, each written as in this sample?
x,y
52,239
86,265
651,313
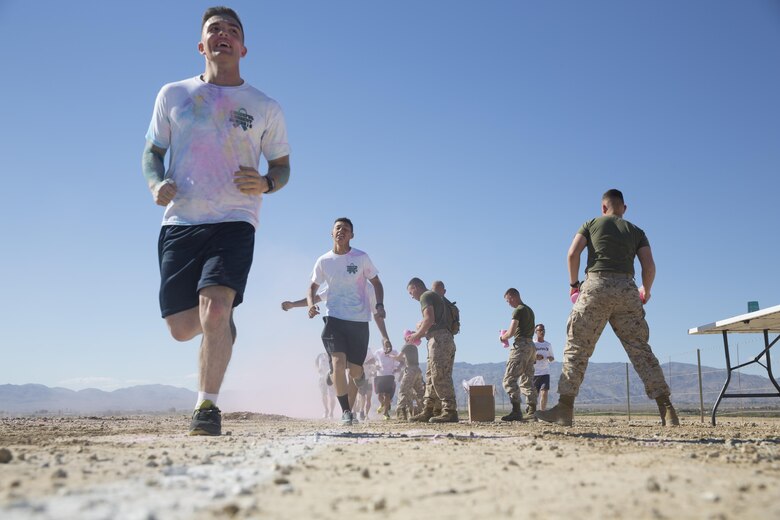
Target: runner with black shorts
x,y
384,383
346,271
544,356
217,127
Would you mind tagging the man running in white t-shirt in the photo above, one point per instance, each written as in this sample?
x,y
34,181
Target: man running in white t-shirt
x,y
346,271
217,127
384,382
544,356
321,296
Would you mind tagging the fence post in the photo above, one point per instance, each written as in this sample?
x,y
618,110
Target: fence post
x,y
701,394
628,395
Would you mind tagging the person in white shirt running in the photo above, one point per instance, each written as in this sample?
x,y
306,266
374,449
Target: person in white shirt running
x,y
544,356
217,127
384,382
347,271
362,404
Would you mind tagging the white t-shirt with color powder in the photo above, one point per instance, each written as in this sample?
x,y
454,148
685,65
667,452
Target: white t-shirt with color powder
x,y
322,292
542,366
346,276
211,132
387,365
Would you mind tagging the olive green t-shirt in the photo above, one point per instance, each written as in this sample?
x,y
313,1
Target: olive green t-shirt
x,y
612,244
526,321
411,354
429,298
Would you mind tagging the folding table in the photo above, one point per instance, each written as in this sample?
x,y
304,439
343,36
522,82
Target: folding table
x,y
764,322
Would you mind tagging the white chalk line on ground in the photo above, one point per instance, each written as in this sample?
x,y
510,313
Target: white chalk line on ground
x,y
181,490
177,491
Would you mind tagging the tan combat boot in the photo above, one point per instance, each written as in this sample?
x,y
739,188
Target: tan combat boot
x,y
515,414
562,413
423,416
447,416
530,412
667,411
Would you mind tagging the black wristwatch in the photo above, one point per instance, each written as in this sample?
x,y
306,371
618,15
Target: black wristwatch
x,y
379,305
575,284
271,184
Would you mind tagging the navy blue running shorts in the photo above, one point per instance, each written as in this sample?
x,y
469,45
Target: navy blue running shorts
x,y
204,255
349,337
542,382
384,385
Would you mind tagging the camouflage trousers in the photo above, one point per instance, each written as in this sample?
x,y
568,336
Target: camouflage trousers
x,y
613,298
411,389
435,402
441,357
520,365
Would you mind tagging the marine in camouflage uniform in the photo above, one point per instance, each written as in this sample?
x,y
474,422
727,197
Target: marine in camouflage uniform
x,y
519,374
609,294
411,388
441,354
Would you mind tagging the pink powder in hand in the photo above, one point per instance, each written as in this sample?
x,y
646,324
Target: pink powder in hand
x,y
408,333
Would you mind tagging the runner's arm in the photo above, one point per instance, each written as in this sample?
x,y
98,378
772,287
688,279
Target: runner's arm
x,y
287,305
279,172
153,168
313,311
380,324
379,290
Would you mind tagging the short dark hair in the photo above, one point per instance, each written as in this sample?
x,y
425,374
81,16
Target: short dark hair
x,y
512,292
346,221
613,195
416,282
540,325
221,10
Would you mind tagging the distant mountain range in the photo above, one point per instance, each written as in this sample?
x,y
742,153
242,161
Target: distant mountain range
x,y
604,388
27,399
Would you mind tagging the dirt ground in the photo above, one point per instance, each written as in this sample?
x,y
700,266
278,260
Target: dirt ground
x,y
146,467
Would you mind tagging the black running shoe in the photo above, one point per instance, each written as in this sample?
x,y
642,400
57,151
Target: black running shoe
x,y
206,421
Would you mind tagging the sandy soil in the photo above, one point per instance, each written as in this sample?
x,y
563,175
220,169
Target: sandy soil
x,y
145,467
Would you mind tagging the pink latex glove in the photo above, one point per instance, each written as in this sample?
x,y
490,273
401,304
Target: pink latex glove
x,y
408,333
506,341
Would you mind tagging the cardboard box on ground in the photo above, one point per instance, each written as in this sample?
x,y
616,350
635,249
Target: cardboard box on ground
x,y
482,403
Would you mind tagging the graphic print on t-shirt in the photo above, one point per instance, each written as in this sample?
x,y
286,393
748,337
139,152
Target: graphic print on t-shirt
x,y
241,118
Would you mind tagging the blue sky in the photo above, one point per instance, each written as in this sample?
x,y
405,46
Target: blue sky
x,y
467,141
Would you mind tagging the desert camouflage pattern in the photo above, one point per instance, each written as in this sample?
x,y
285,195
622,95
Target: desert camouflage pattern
x,y
441,357
435,403
411,389
519,375
613,298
